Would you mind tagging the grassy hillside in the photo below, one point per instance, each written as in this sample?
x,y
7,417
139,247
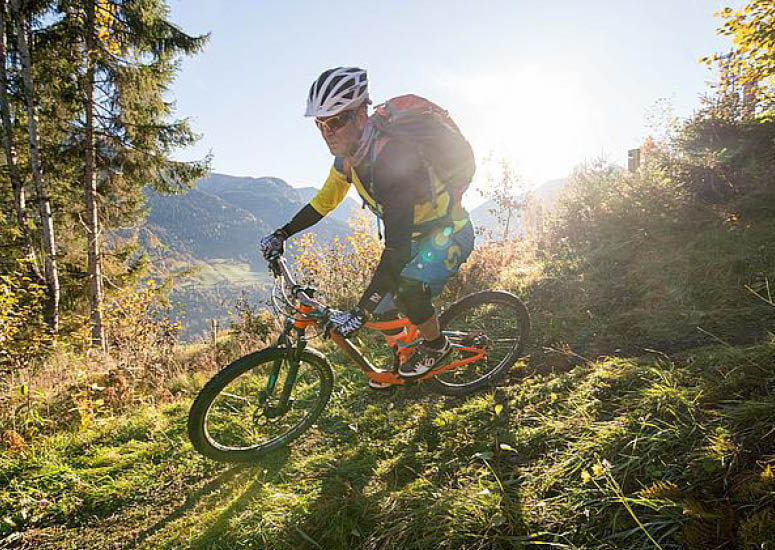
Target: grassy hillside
x,y
642,416
213,291
638,262
607,455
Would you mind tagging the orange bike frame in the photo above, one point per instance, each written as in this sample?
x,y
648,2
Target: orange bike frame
x,y
404,341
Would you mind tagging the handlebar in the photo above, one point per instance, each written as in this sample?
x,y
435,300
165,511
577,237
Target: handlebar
x,y
279,267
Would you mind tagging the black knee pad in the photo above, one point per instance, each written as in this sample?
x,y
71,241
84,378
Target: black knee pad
x,y
414,298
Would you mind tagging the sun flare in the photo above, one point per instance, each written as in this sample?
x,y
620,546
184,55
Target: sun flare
x,y
532,117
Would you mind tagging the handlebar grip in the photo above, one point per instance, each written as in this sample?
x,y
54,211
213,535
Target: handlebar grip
x,y
308,292
305,296
274,265
278,266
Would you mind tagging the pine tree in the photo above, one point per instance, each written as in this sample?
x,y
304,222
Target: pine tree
x,y
129,51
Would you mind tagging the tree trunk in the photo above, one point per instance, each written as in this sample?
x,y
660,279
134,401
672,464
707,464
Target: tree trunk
x,y
90,189
44,206
19,196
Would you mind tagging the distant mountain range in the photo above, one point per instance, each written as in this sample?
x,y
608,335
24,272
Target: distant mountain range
x,y
344,212
212,231
486,221
223,217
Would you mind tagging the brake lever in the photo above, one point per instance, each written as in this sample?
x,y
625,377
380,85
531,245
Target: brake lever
x,y
328,326
274,265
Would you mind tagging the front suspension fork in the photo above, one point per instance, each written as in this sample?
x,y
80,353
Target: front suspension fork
x,y
293,357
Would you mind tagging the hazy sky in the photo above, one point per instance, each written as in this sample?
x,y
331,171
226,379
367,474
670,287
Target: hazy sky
x,y
544,84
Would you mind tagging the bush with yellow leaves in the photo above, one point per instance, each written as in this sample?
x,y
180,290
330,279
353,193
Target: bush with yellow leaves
x,y
23,334
142,339
24,343
341,270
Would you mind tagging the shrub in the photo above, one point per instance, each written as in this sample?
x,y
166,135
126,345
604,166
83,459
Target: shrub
x,y
142,343
24,337
719,159
25,342
342,270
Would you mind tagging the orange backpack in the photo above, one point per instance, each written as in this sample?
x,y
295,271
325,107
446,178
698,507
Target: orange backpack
x,y
435,136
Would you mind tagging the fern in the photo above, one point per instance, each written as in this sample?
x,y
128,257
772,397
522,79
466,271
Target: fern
x,y
661,489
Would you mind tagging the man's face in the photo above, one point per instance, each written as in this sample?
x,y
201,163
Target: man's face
x,y
342,131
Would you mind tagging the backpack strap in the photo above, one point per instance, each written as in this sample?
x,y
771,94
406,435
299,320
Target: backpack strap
x,y
372,161
376,146
339,164
431,179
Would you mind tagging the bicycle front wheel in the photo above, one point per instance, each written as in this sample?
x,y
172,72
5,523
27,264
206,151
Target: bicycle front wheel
x,y
238,416
492,320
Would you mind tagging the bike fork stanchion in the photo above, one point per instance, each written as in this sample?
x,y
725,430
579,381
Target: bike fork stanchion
x,y
293,356
282,342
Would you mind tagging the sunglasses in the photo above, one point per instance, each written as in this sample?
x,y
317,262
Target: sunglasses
x,y
334,123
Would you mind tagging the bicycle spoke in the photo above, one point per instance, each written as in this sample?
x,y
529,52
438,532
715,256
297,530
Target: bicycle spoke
x,y
225,394
490,326
237,420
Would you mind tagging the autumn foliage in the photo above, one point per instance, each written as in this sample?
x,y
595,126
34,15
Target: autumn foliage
x,y
750,67
340,271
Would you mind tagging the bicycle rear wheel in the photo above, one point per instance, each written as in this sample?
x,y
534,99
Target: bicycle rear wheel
x,y
232,419
494,320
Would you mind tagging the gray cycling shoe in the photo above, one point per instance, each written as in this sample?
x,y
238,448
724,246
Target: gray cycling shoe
x,y
425,359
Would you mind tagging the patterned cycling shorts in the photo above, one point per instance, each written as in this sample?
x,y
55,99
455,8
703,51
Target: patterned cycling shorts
x,y
435,259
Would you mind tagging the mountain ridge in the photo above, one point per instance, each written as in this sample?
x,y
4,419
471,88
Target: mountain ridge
x,y
487,223
211,233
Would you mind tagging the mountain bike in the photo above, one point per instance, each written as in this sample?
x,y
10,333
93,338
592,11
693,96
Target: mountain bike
x,y
267,399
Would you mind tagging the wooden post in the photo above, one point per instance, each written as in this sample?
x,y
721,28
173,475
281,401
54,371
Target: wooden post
x,y
214,330
633,160
214,327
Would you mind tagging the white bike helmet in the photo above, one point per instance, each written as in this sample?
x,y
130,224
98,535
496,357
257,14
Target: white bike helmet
x,y
337,90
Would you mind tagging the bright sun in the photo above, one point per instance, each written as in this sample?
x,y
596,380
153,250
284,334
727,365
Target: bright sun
x,y
535,119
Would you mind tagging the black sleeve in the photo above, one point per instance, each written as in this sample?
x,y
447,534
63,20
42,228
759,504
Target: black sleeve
x,y
303,219
400,180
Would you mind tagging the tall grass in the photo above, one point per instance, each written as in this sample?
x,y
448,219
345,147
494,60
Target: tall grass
x,y
651,260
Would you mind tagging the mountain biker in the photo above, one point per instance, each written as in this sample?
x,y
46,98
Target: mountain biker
x,y
426,239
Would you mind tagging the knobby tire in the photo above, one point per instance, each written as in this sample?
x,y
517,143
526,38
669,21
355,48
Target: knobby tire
x,y
206,445
520,334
